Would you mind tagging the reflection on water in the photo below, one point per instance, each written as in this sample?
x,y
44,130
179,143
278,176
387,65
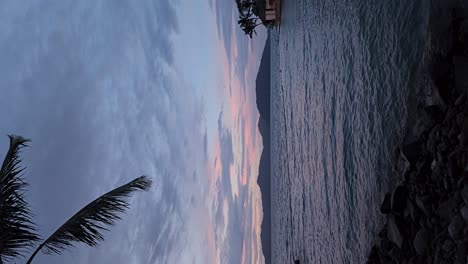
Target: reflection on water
x,y
342,75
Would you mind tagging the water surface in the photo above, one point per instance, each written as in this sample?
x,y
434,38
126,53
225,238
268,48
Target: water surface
x,y
343,73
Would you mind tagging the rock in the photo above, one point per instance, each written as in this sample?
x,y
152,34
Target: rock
x,y
429,223
453,170
456,227
460,100
440,69
423,204
436,168
383,233
386,260
460,117
448,245
409,210
386,204
435,99
373,256
451,113
420,126
447,208
463,137
386,247
464,162
440,158
453,133
412,151
399,198
422,222
421,241
403,165
433,138
393,232
423,170
395,254
436,174
447,184
461,182
464,193
461,77
435,111
463,33
464,212
434,164
462,251
461,12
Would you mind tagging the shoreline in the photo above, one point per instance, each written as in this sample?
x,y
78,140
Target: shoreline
x,y
427,212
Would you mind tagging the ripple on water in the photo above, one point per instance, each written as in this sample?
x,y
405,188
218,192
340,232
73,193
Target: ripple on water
x,y
342,75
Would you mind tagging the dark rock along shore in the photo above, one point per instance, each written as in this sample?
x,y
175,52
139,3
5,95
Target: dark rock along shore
x,y
427,213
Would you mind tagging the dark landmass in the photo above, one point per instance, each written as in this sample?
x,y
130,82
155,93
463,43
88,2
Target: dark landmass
x,y
427,213
263,84
264,175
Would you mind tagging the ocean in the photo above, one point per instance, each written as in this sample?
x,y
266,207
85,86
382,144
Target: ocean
x,y
343,77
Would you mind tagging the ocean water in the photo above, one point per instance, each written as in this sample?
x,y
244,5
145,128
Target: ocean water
x,y
343,75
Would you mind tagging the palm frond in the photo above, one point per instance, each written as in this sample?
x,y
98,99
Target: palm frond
x,y
17,231
87,225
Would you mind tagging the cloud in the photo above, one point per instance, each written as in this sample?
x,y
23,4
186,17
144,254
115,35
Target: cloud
x,y
224,16
233,213
233,249
95,88
227,156
237,207
205,144
236,44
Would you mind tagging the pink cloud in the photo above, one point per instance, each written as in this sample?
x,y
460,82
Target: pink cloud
x,y
238,93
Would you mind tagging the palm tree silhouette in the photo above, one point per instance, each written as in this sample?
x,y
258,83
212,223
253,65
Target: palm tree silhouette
x,y
248,24
17,230
247,21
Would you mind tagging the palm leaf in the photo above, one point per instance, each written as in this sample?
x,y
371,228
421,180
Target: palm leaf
x,y
87,225
17,231
239,6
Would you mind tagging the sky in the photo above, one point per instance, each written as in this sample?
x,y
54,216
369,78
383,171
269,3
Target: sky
x,y
111,90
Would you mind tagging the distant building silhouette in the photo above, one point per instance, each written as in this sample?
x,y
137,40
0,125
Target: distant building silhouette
x,y
268,11
271,10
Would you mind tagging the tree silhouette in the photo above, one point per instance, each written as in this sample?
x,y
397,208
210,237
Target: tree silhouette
x,y
247,20
17,230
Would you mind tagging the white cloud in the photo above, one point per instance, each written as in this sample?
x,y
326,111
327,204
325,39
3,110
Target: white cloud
x,y
94,87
